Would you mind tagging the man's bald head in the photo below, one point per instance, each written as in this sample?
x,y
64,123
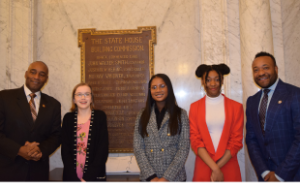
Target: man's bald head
x,y
36,76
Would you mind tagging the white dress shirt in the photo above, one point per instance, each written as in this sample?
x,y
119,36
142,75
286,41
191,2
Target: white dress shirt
x,y
37,99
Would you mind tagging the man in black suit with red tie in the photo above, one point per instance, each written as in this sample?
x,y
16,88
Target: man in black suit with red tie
x,y
30,128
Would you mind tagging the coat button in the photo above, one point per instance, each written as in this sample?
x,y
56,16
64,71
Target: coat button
x,y
151,150
162,150
169,134
147,135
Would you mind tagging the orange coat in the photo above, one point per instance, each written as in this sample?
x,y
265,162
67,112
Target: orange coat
x,y
231,139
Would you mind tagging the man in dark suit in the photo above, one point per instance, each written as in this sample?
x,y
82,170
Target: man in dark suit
x,y
273,124
30,126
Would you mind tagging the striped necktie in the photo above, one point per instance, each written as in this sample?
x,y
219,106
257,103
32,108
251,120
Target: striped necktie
x,y
262,110
32,106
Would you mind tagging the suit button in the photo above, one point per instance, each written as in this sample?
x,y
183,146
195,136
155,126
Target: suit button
x,y
151,150
162,150
269,157
169,134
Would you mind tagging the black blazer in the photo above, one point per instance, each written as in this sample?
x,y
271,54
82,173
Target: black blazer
x,y
17,127
97,147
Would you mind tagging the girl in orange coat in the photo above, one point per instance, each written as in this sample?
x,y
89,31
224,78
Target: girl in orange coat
x,y
216,129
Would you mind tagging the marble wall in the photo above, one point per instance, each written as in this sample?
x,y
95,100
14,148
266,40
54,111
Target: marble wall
x,y
189,32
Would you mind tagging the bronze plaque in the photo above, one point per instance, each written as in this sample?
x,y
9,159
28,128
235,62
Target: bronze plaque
x,y
118,65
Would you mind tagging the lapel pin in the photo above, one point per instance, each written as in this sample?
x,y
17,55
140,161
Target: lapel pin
x,y
279,102
44,105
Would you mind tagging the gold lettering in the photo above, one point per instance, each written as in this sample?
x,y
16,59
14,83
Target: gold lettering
x,y
114,112
132,112
128,48
115,124
137,94
116,118
130,119
96,41
130,88
102,88
115,40
105,95
133,40
115,107
97,49
104,101
122,94
102,57
123,56
131,81
130,101
118,62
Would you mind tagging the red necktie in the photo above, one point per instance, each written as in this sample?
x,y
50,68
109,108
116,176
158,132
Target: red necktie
x,y
32,106
262,110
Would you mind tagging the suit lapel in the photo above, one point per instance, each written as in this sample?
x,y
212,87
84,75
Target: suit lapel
x,y
164,124
42,112
255,117
226,129
203,127
153,126
24,106
274,106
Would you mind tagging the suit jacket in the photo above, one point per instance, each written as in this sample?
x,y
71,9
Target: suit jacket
x,y
231,139
17,127
97,147
161,153
279,149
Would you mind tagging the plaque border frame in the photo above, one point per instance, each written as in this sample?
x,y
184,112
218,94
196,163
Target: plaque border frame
x,y
139,30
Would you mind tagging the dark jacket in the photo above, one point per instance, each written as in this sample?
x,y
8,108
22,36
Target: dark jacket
x,y
97,147
278,150
17,127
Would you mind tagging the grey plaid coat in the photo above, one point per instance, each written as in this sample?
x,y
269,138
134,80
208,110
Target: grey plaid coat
x,y
160,153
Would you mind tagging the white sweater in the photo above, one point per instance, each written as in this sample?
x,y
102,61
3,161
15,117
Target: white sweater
x,y
215,118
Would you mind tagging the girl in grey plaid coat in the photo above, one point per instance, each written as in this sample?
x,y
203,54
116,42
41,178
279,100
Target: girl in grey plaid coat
x,y
161,134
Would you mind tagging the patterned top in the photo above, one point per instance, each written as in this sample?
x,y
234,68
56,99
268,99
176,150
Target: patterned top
x,y
82,137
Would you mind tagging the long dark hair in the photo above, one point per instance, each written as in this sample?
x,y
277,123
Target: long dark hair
x,y
171,107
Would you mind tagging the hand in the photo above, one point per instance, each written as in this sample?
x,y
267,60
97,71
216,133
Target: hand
x,y
270,177
82,180
154,179
23,152
162,179
34,150
217,175
37,156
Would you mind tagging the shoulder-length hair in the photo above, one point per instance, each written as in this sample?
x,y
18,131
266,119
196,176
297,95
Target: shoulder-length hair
x,y
171,107
74,106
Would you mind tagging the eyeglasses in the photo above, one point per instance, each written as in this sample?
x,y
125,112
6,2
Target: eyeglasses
x,y
159,86
85,95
